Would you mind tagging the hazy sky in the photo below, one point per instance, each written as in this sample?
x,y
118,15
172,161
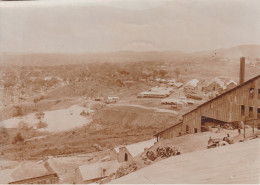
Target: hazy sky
x,y
112,25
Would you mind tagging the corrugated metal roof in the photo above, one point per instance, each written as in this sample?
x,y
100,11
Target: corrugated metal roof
x,y
24,171
5,176
137,148
95,171
218,81
192,83
168,128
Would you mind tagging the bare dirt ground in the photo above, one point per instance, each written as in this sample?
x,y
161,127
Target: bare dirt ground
x,y
237,163
187,144
57,120
195,158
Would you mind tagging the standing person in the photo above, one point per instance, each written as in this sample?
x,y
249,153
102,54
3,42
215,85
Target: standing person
x,y
209,141
239,131
218,131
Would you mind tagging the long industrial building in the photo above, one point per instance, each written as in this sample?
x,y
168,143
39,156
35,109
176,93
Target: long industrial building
x,y
241,103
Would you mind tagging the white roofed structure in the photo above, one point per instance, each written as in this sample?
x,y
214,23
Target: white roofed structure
x,y
93,172
192,83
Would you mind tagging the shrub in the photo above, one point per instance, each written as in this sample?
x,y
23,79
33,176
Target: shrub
x,y
18,138
83,113
4,136
41,124
19,111
23,126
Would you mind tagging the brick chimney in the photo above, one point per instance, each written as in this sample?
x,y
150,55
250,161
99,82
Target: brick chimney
x,y
242,70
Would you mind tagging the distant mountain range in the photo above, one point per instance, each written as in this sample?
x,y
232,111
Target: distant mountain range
x,y
252,51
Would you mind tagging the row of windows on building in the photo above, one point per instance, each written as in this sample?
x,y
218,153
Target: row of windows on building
x,y
251,111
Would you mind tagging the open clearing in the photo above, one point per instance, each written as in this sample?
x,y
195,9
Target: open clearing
x,y
57,120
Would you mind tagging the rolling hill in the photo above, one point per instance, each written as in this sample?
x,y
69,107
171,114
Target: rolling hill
x,y
252,51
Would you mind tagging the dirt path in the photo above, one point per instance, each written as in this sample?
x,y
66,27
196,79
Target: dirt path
x,y
148,108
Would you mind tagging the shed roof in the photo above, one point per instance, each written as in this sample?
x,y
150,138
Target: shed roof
x,y
5,176
168,128
231,81
231,90
192,83
30,170
193,167
218,81
94,171
25,171
137,148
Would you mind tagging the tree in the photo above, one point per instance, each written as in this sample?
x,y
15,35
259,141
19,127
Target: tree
x,y
40,116
18,112
177,72
18,138
163,72
42,124
35,100
23,126
4,136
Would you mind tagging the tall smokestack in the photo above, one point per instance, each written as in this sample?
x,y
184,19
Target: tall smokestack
x,y
242,70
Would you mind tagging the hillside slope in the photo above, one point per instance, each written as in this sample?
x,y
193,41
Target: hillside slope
x,y
238,163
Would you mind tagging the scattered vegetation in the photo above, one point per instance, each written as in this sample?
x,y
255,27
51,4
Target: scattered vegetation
x,y
4,136
83,113
18,111
18,138
41,123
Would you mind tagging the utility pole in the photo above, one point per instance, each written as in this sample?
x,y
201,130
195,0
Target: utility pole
x,y
244,130
253,127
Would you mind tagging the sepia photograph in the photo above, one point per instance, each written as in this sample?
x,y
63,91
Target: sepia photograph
x,y
129,92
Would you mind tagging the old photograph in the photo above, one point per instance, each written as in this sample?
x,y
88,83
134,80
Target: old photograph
x,y
129,92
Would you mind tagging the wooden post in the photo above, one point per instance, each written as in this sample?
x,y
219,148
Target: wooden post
x,y
253,127
244,131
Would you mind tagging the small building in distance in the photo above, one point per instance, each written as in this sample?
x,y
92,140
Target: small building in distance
x,y
92,173
156,92
239,103
191,86
215,84
192,83
30,173
242,103
152,94
128,152
123,155
231,84
111,99
170,132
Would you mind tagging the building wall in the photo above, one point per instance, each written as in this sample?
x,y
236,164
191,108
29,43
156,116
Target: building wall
x,y
92,180
47,179
226,108
113,154
121,154
170,132
78,177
